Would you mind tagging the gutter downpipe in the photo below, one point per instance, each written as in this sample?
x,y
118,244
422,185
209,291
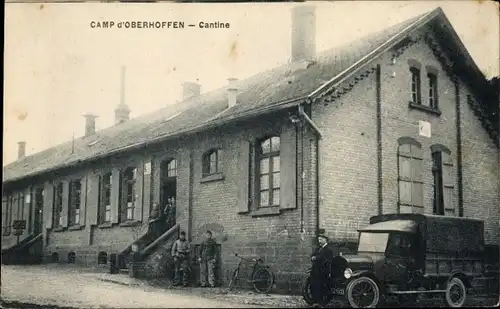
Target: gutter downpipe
x,y
319,137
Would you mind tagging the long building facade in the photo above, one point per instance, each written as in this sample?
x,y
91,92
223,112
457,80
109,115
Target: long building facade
x,y
396,122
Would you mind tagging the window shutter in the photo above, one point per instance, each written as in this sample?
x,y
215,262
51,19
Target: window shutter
x,y
83,200
405,168
5,201
288,169
417,194
93,194
146,204
115,195
28,209
243,176
65,203
15,206
48,205
139,192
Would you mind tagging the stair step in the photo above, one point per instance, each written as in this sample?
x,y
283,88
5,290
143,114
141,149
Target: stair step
x,y
123,271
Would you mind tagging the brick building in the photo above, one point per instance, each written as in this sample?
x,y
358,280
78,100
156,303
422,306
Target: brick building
x,y
398,121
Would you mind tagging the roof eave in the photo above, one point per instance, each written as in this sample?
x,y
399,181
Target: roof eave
x,y
347,73
205,126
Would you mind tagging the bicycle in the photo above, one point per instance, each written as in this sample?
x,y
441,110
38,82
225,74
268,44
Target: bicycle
x,y
262,279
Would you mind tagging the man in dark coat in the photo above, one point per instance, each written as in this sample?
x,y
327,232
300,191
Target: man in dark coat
x,y
207,260
320,272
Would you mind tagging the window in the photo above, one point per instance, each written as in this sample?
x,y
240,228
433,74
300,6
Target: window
x,y
75,191
372,242
415,85
442,171
105,199
172,168
212,162
410,176
128,193
433,91
58,196
269,172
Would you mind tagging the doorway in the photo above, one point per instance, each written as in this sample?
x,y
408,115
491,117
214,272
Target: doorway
x,y
168,191
38,222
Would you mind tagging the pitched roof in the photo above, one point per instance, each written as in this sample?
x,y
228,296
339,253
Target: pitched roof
x,y
269,90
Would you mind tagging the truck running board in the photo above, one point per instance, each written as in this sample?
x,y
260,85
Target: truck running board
x,y
418,292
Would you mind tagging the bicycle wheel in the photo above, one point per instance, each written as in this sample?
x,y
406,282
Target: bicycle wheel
x,y
233,279
263,280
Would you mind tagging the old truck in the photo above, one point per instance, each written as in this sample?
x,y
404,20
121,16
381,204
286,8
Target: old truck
x,y
404,256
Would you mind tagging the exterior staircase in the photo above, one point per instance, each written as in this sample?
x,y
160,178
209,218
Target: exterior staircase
x,y
27,251
152,252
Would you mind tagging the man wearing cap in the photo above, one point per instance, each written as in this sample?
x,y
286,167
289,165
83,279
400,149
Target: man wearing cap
x,y
207,260
320,271
180,252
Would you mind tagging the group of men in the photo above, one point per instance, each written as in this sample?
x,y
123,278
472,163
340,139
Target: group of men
x,y
181,251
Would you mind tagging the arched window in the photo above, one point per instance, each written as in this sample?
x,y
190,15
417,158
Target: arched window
x,y
410,181
212,162
442,171
172,168
75,191
416,95
105,199
102,258
432,75
268,182
128,192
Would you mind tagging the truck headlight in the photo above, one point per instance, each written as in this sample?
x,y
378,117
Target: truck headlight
x,y
347,273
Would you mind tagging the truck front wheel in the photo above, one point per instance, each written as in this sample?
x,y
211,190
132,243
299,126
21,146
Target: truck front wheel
x,y
456,293
363,292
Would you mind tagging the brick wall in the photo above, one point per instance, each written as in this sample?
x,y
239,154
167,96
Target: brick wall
x,y
348,160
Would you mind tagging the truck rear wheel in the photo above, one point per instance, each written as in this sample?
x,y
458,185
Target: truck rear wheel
x,y
456,293
363,292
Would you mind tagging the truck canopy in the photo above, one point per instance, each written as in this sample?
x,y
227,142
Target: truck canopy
x,y
408,226
441,234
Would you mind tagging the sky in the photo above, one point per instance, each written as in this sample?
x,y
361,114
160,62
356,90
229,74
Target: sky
x,y
58,68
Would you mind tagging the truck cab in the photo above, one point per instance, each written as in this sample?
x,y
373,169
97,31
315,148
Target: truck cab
x,y
407,255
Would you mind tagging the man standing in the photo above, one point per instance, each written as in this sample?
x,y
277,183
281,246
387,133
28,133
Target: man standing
x,y
320,271
207,260
180,252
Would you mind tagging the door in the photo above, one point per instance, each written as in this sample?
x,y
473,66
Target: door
x,y
38,222
398,261
168,191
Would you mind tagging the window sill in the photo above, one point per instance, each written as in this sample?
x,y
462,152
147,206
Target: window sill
x,y
106,225
76,227
213,177
130,223
58,229
424,108
266,211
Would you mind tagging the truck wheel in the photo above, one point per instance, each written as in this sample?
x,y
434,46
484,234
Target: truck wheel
x,y
363,292
456,293
306,292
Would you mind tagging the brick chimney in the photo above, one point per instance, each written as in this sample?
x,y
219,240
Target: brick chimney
x,y
232,92
303,33
21,149
89,124
190,90
122,111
